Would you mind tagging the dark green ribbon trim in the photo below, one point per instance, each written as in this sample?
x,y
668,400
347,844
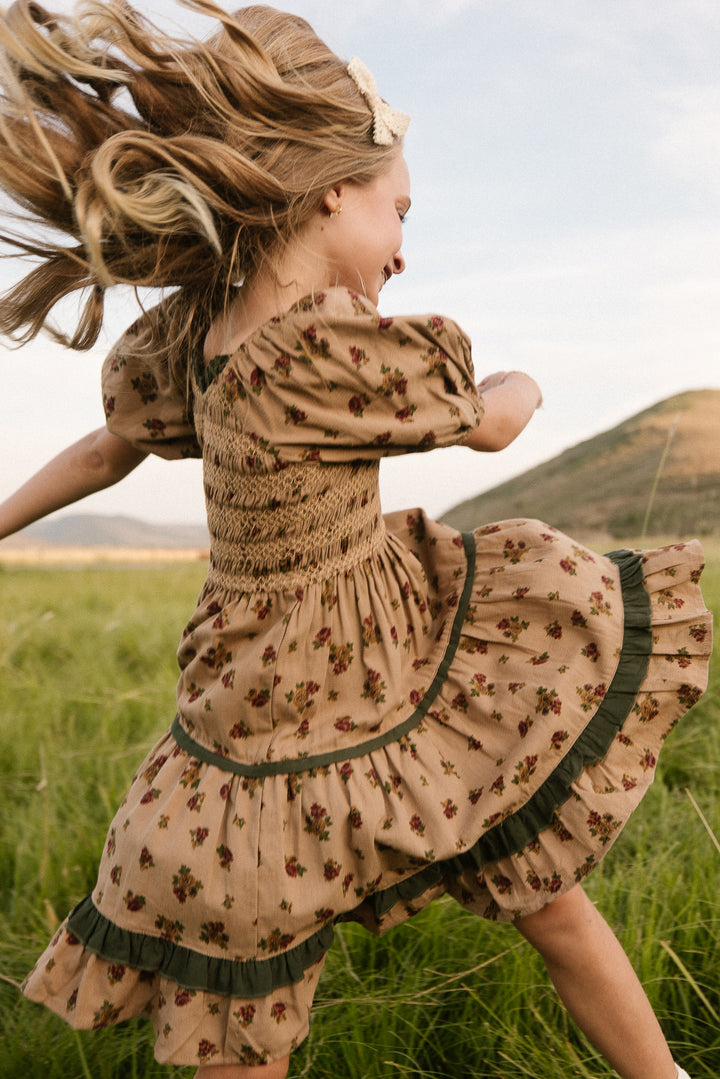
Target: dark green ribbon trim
x,y
195,970
259,977
321,760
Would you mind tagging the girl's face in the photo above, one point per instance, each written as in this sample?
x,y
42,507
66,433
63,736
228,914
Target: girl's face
x,y
364,240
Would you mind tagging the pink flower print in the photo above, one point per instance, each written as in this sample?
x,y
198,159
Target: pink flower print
x,y
206,1051
373,687
590,696
480,687
533,880
225,855
279,1012
322,637
346,771
578,619
154,427
403,415
554,630
185,885
598,604
116,874
245,1015
524,726
215,658
146,859
512,627
436,323
105,1015
294,415
503,884
647,761
460,703
293,867
524,769
268,656
169,930
558,738
318,822
133,902
357,404
552,884
331,869
417,825
498,786
475,795
214,933
358,356
258,698
698,633
325,914
344,724
568,565
602,826
239,730
356,820
689,695
548,701
183,998
108,406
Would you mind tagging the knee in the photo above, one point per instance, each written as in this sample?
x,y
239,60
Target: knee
x,y
566,917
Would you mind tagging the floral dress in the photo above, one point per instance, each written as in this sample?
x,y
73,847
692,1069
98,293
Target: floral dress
x,y
372,710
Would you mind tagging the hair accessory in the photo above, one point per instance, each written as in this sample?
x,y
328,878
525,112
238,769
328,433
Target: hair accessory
x,y
388,123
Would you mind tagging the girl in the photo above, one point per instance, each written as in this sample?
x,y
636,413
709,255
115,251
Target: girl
x,y
372,711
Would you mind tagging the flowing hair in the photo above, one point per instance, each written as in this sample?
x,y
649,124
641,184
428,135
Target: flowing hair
x,y
161,163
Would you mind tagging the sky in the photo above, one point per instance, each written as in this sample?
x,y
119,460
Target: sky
x,y
565,165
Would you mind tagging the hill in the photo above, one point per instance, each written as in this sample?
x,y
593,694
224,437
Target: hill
x,y
83,530
605,486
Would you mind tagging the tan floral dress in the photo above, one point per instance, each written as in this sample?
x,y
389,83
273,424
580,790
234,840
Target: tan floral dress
x,y
372,711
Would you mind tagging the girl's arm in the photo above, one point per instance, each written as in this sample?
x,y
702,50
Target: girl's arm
x,y
510,398
96,461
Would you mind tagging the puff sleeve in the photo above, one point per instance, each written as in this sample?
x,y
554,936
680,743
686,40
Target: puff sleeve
x,y
142,401
334,381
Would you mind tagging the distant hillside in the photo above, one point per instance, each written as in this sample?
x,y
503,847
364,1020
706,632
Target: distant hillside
x,y
89,530
603,486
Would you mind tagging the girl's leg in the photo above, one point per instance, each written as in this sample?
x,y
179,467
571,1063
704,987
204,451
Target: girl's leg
x,y
598,986
276,1070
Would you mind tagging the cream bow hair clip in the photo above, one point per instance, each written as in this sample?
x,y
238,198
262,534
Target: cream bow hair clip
x,y
388,123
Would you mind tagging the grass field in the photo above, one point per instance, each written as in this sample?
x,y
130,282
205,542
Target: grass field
x,y
87,683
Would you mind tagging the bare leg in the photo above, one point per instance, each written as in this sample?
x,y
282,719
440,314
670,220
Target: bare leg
x,y
276,1070
598,986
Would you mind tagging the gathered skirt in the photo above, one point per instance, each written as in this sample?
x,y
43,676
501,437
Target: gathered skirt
x,y
504,783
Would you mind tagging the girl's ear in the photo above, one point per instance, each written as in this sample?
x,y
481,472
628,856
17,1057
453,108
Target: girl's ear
x,y
332,200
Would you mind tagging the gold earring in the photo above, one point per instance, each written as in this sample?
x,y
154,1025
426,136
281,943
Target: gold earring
x,y
336,213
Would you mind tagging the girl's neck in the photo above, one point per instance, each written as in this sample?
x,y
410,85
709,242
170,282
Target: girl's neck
x,y
269,293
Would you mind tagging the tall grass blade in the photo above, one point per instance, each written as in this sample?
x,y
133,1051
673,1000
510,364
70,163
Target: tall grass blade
x,y
690,980
658,474
704,820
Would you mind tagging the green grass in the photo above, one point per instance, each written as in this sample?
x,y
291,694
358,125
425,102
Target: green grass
x,y
87,683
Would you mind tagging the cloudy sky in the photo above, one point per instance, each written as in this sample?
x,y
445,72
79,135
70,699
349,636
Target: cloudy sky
x,y
565,159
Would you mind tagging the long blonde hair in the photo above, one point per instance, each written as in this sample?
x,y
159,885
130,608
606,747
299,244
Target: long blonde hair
x,y
168,164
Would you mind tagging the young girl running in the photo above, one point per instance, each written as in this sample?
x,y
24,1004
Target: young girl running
x,y
372,710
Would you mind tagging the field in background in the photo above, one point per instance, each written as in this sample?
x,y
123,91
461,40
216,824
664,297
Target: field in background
x,y
86,685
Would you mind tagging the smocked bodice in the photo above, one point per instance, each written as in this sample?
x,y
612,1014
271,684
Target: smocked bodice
x,y
279,526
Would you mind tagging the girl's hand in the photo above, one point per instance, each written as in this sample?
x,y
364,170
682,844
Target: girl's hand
x,y
509,399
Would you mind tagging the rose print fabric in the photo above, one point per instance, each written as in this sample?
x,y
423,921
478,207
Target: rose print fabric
x,y
372,710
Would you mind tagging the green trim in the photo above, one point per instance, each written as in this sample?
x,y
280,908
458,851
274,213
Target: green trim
x,y
321,760
195,970
259,977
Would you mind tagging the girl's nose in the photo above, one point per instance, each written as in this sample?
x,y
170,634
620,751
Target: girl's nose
x,y
398,263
